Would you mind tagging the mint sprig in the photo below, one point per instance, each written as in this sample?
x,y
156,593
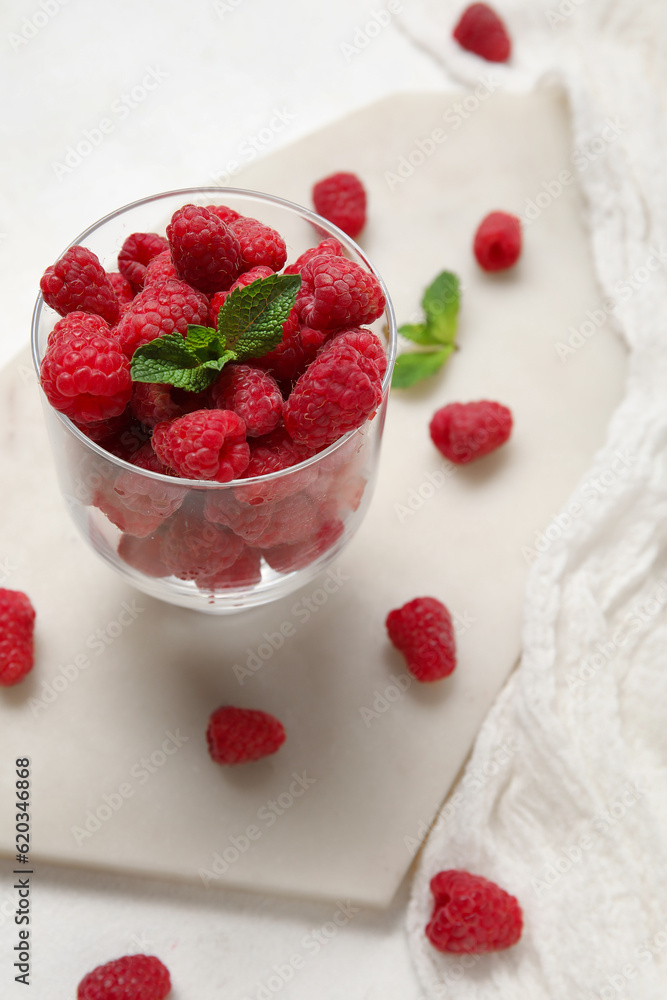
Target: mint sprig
x,y
250,324
440,303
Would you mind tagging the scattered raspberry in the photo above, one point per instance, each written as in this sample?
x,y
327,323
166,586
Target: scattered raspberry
x,y
137,252
134,977
260,245
288,360
143,554
329,247
252,394
224,213
497,244
205,251
195,549
472,915
367,343
206,444
336,394
76,323
337,292
78,282
240,735
86,377
466,431
154,402
17,621
160,269
422,630
122,287
158,310
341,198
480,30
245,279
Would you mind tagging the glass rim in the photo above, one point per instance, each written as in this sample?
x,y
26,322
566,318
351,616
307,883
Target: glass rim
x,y
319,222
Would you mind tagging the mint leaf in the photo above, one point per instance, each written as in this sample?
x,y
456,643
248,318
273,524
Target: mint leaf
x,y
417,365
418,333
200,336
170,360
441,304
250,322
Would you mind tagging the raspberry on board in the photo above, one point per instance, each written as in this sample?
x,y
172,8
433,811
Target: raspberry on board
x,y
251,393
472,915
336,292
260,245
341,198
481,30
133,977
204,250
160,269
137,252
17,623
498,240
206,444
463,432
163,308
242,281
78,282
86,377
423,632
242,735
329,247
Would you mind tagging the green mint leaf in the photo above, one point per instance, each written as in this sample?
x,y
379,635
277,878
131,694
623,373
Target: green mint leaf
x,y
417,365
418,333
171,360
441,304
200,336
250,322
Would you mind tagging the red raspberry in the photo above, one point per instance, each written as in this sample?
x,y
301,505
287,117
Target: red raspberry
x,y
122,287
17,622
158,310
337,292
341,198
251,393
466,431
273,453
241,282
78,282
312,341
137,252
205,251
283,522
105,430
480,30
240,735
472,915
160,269
261,246
288,558
143,554
327,248
86,377
245,572
497,244
154,402
206,444
365,342
76,323
194,549
288,360
134,977
422,630
139,504
224,213
336,394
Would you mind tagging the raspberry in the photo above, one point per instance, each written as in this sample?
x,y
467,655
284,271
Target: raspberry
x,y
245,279
337,292
497,244
143,554
288,558
160,269
105,430
265,525
122,287
138,504
260,245
365,342
76,323
158,310
224,213
154,402
312,340
205,252
273,453
327,248
137,252
86,377
288,360
422,630
466,431
341,198
472,915
78,282
240,735
245,572
480,30
252,394
336,394
194,549
17,621
206,444
134,977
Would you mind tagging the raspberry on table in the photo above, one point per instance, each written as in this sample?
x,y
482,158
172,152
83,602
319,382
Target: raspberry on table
x,y
137,252
122,287
17,623
242,281
472,915
86,376
260,245
498,240
423,632
195,549
160,309
206,444
133,977
329,247
481,30
224,213
79,283
242,735
463,432
341,198
336,292
205,251
251,393
160,269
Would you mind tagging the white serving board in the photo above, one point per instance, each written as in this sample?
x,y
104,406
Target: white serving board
x,y
378,778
